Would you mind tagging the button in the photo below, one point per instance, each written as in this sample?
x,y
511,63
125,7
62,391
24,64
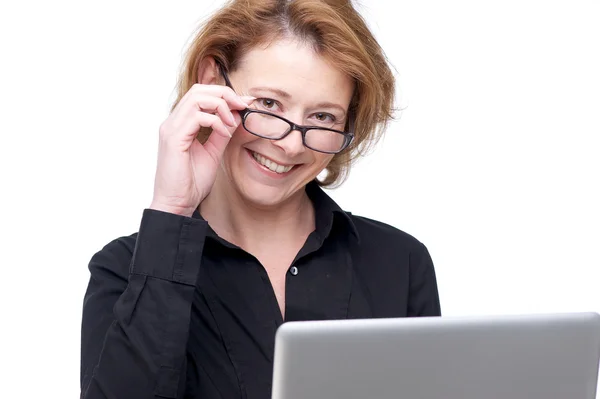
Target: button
x,y
294,270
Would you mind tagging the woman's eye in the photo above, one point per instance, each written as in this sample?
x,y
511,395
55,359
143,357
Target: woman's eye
x,y
267,103
323,117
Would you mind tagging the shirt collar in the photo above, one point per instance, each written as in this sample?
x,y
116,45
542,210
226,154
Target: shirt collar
x,y
326,212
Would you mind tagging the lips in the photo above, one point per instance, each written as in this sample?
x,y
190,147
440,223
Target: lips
x,y
270,164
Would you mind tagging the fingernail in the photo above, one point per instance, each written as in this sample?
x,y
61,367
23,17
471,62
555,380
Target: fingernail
x,y
231,120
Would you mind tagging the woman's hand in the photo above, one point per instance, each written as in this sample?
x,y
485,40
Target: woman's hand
x,y
186,169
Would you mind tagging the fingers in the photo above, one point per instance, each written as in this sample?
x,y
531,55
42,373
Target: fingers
x,y
214,98
216,105
216,143
206,106
226,93
203,119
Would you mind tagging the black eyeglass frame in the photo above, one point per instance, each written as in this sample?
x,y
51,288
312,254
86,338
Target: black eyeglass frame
x,y
348,136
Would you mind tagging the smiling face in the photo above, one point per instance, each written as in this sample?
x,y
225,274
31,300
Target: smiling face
x,y
290,80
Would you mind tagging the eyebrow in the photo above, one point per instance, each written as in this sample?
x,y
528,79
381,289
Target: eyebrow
x,y
279,92
331,105
285,95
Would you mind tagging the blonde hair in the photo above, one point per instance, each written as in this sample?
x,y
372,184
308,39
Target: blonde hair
x,y
335,30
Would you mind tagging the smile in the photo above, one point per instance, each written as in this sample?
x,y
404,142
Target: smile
x,y
271,165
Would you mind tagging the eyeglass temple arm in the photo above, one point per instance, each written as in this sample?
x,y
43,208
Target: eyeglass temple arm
x,y
227,81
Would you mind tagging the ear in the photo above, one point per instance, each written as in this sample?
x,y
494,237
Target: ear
x,y
208,71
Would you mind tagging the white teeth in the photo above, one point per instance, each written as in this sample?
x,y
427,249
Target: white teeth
x,y
272,166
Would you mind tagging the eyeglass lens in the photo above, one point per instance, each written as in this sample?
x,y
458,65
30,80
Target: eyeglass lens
x,y
270,126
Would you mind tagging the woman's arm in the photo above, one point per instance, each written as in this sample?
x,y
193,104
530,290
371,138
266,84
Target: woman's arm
x,y
136,311
423,299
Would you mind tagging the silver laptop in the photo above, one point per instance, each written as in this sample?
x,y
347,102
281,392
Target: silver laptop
x,y
552,356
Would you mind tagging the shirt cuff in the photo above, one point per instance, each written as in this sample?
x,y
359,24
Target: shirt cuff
x,y
169,247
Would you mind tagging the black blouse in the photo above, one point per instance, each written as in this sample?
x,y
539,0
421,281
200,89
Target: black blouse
x,y
175,311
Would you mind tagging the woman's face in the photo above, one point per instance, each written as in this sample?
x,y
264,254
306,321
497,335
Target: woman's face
x,y
288,79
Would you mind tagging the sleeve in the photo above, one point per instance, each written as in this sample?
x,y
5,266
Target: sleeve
x,y
136,311
423,298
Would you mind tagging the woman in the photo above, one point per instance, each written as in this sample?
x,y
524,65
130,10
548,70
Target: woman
x,y
239,236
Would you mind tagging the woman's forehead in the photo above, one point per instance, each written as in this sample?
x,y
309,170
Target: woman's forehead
x,y
295,68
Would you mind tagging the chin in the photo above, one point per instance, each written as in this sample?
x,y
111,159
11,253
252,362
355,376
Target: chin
x,y
265,196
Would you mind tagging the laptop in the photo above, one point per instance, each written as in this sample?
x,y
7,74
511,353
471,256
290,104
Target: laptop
x,y
552,356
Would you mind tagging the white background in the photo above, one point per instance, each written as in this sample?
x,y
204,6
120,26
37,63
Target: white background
x,y
494,164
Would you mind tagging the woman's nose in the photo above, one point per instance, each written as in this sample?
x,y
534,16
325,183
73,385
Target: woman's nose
x,y
291,144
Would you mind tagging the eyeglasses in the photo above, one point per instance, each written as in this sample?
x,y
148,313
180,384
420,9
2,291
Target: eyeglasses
x,y
274,127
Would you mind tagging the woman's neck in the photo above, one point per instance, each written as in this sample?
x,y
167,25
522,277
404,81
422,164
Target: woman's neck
x,y
253,227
